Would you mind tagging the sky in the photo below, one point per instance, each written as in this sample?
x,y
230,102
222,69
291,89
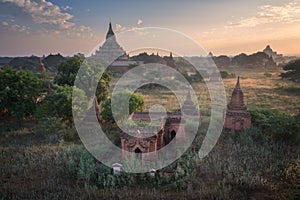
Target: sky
x,y
41,27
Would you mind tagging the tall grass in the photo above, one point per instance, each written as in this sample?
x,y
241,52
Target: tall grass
x,y
240,166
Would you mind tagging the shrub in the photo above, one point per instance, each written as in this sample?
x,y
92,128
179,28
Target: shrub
x,y
224,74
277,125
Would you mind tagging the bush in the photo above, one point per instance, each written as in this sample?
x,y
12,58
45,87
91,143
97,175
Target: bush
x,y
224,74
276,125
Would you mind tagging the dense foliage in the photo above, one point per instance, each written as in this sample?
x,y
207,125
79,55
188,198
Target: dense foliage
x,y
19,92
292,71
59,103
136,104
68,70
276,124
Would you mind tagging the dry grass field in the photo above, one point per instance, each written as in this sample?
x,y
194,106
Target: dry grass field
x,y
263,88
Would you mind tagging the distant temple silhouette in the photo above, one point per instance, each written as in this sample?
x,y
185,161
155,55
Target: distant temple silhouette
x,y
118,60
111,51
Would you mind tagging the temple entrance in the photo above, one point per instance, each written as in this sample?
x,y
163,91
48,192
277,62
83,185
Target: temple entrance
x,y
138,153
137,150
173,135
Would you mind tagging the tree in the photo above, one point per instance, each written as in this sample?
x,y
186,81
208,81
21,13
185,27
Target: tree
x,y
19,91
59,103
103,87
67,72
224,74
293,71
136,104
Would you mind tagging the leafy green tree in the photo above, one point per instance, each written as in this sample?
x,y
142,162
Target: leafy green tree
x,y
293,71
59,103
19,91
67,72
136,104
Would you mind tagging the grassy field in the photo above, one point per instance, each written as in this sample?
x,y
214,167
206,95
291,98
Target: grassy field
x,y
45,160
262,89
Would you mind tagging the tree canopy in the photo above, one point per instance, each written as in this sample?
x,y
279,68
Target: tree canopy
x,y
276,124
292,71
136,104
59,103
67,72
19,91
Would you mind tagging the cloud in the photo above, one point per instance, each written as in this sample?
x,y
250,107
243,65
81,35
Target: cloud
x,y
84,28
4,23
14,28
19,3
51,18
119,28
40,12
18,28
67,7
139,22
286,14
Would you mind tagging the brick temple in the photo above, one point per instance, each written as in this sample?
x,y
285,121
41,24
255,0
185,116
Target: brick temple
x,y
237,116
171,128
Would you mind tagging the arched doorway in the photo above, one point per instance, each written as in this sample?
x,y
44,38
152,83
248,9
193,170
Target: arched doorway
x,y
137,150
173,135
138,153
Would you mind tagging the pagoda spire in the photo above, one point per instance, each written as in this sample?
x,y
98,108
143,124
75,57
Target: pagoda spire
x,y
189,107
238,86
237,97
237,116
110,31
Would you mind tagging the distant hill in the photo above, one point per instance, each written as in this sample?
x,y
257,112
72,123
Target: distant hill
x,y
5,60
52,61
222,61
149,58
32,63
262,59
256,60
22,63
